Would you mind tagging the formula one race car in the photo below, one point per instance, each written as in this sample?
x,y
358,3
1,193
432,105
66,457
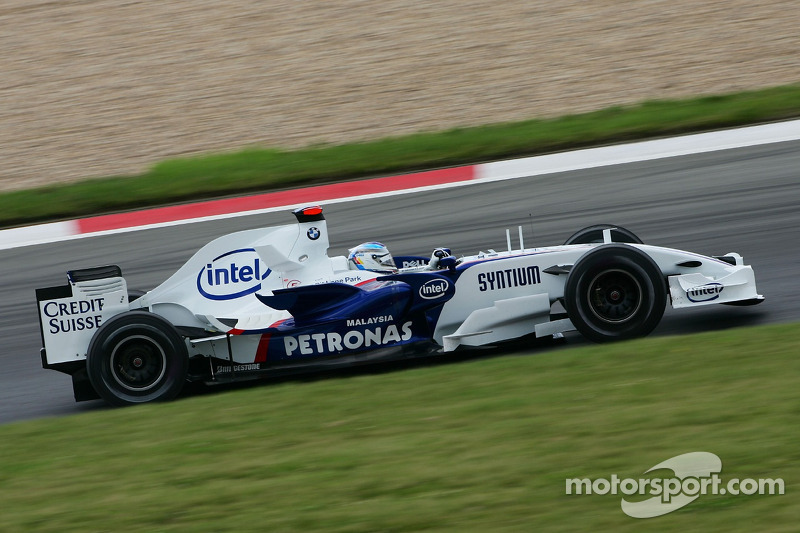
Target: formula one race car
x,y
265,301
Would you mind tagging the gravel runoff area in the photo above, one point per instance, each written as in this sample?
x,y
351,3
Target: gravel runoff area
x,y
104,87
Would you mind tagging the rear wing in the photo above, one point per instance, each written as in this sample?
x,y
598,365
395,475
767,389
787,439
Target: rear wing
x,y
69,315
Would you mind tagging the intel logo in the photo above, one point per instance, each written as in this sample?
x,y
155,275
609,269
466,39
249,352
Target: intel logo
x,y
704,293
232,275
435,288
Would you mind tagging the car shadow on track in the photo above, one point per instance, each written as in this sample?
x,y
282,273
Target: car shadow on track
x,y
384,367
673,323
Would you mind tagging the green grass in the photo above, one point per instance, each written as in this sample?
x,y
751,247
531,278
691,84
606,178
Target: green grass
x,y
264,169
480,445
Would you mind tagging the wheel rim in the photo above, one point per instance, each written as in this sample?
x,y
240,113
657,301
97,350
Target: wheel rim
x,y
614,296
138,363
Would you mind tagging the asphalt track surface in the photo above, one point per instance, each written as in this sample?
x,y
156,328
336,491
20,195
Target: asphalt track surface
x,y
743,200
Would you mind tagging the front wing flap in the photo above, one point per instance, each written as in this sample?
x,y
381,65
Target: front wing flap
x,y
692,290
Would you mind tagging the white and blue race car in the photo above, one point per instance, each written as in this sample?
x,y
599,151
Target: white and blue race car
x,y
266,301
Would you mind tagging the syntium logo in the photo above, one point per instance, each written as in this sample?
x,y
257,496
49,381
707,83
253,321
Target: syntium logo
x,y
232,275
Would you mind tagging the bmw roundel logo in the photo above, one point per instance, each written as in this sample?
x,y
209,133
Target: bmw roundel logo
x,y
313,234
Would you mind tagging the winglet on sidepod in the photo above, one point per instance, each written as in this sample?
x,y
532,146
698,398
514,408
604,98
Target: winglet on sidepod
x,y
308,301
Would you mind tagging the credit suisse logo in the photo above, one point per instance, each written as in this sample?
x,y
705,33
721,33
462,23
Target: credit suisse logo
x,y
232,275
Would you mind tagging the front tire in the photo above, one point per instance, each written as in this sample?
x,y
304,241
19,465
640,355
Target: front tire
x,y
137,357
615,292
594,234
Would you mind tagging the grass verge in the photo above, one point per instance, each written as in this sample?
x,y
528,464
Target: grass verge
x,y
262,169
482,445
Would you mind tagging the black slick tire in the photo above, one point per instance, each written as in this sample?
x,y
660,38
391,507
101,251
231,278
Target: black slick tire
x,y
594,234
137,357
615,292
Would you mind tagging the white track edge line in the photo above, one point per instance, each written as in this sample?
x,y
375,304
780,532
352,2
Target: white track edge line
x,y
485,173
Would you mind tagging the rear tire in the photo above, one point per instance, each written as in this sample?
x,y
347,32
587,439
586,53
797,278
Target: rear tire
x,y
594,234
135,294
137,357
615,292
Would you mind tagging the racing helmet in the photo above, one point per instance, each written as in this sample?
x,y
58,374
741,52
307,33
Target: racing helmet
x,y
372,256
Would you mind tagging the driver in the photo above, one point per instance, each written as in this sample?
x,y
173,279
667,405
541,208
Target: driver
x,y
375,257
372,256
